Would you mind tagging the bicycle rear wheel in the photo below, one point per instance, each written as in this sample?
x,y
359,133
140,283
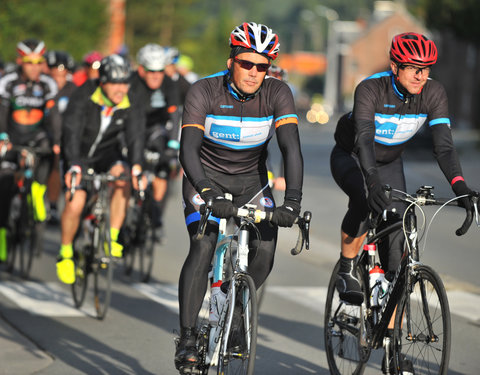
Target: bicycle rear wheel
x,y
422,325
103,271
147,250
26,240
239,344
347,351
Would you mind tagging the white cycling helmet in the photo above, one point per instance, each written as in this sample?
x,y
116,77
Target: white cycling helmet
x,y
258,37
152,57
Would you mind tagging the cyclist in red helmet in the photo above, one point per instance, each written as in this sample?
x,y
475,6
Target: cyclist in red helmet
x,y
228,121
389,109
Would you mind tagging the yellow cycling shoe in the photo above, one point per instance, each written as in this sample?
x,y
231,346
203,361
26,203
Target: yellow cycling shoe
x,y
66,270
117,249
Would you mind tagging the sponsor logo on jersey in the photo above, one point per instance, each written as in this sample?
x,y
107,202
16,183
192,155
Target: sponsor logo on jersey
x,y
389,105
229,133
226,106
266,202
19,90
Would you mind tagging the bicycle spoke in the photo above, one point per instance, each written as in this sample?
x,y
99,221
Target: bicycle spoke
x,y
422,329
238,348
344,344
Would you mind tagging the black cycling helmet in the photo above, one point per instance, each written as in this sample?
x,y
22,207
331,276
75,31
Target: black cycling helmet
x,y
114,69
59,59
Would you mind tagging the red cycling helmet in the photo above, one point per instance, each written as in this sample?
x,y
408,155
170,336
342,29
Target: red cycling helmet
x,y
258,37
413,48
92,57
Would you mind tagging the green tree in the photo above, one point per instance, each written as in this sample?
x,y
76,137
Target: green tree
x,y
74,26
462,17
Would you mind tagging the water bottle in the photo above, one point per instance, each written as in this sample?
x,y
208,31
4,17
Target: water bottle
x,y
377,282
217,301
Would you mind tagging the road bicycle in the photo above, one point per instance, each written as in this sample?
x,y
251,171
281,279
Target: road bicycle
x,y
139,235
230,343
414,296
25,233
92,245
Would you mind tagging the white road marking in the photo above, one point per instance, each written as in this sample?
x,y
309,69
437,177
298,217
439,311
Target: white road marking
x,y
53,299
46,299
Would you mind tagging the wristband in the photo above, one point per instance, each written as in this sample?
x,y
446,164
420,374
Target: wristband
x,y
75,169
173,143
136,170
455,179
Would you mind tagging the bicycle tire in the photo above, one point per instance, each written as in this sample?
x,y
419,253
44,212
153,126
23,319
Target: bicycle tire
x,y
343,327
239,344
11,249
26,239
426,305
129,251
82,258
146,251
103,272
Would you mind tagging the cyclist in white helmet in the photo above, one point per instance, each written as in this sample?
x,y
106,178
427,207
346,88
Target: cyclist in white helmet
x,y
158,97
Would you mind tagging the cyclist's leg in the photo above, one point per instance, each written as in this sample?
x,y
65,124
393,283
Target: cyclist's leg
x,y
262,250
348,175
193,277
70,221
391,249
7,191
118,206
42,170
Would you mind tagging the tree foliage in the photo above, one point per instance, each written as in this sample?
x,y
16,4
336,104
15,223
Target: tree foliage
x,y
74,26
462,17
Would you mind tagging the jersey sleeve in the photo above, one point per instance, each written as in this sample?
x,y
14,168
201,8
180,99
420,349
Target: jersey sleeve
x,y
364,122
439,124
193,127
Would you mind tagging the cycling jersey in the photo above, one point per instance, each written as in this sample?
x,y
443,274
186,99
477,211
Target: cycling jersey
x,y
92,130
24,105
161,106
384,119
231,135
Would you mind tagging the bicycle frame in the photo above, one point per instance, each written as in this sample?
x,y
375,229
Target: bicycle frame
x,y
224,242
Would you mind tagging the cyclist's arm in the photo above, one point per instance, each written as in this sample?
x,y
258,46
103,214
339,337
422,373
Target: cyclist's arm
x,y
4,106
364,120
439,124
135,134
286,125
173,109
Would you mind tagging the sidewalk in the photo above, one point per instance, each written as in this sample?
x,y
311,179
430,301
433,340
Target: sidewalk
x,y
18,355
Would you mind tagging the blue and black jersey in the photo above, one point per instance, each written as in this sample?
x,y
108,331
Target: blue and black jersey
x,y
384,119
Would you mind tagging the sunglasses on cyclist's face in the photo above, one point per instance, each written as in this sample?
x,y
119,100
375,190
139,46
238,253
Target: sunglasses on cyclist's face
x,y
412,69
248,65
32,60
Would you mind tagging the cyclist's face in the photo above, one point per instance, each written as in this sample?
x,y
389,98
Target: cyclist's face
x,y
59,74
32,66
412,77
247,81
153,79
115,91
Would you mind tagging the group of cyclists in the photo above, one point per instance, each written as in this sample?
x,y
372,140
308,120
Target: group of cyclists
x,y
227,121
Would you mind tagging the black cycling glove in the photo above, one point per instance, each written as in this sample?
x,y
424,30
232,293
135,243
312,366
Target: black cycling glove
x,y
286,214
221,207
377,199
461,188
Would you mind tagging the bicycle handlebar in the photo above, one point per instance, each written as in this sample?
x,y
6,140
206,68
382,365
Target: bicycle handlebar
x,y
89,176
425,197
257,216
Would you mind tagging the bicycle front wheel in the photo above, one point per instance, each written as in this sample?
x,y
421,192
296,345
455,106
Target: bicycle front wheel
x,y
344,333
79,287
239,343
422,325
103,271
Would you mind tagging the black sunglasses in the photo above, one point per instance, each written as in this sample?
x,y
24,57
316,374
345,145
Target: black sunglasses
x,y
248,65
